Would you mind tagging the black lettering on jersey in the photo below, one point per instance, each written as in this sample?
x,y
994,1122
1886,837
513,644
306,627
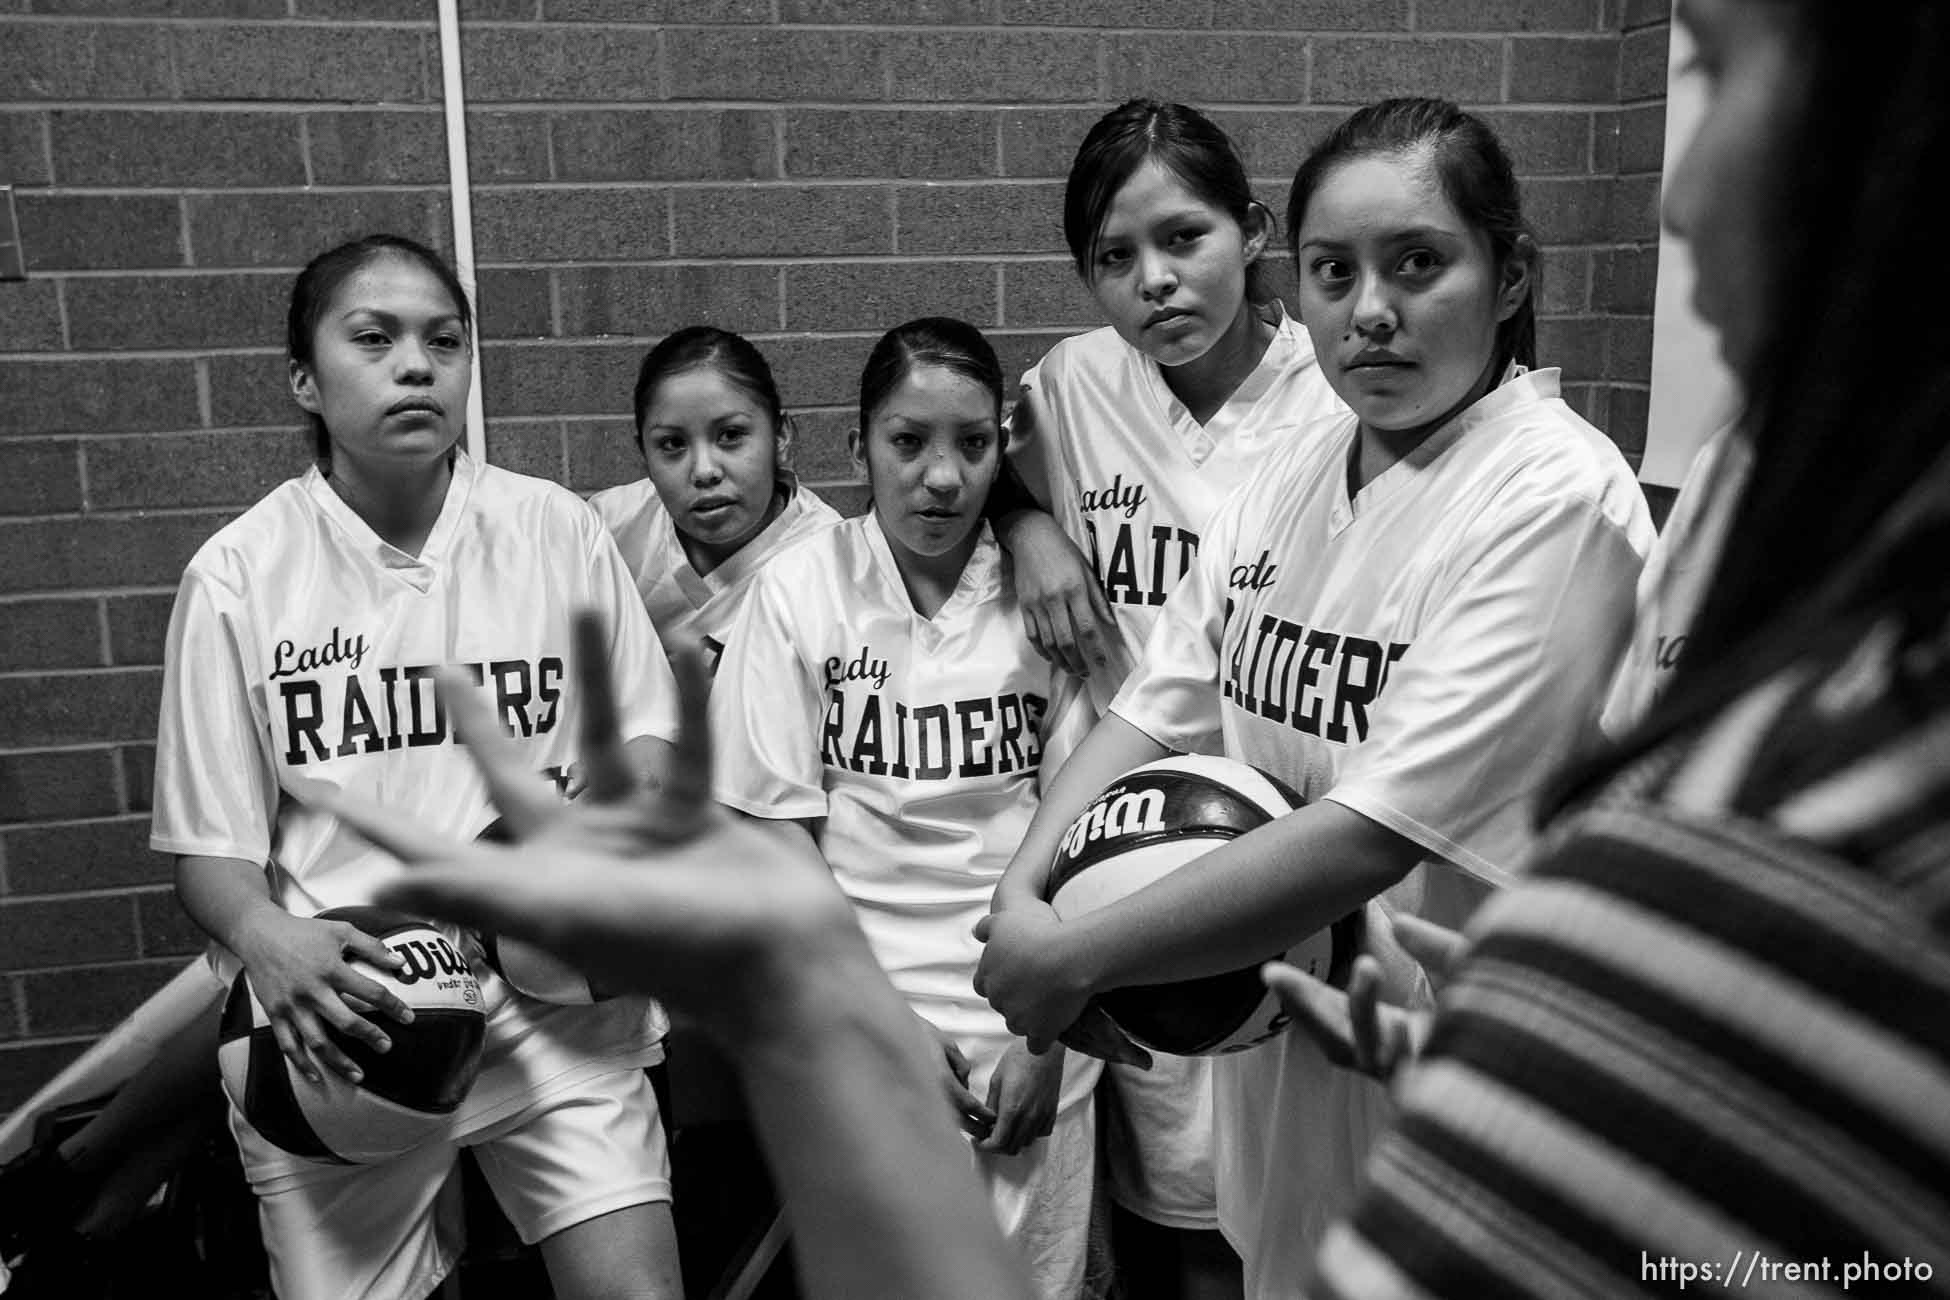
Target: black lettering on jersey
x,y
1033,709
1008,741
832,731
868,752
548,689
1114,496
367,715
1137,573
1257,576
899,767
975,733
427,714
304,711
513,689
1354,690
860,668
389,678
358,723
1273,700
946,741
288,659
1121,578
1317,681
934,759
1667,649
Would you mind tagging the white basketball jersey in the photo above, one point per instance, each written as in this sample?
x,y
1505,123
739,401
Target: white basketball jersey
x,y
1133,478
684,604
1676,577
917,743
1425,653
300,659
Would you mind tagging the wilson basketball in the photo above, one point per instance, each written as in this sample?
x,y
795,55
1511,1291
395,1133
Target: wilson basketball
x,y
407,1093
1149,823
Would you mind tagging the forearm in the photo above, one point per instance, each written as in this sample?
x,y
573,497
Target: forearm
x,y
1247,900
1112,748
845,1092
226,897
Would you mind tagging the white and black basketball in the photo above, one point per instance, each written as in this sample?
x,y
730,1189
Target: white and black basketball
x,y
1150,822
407,1092
528,969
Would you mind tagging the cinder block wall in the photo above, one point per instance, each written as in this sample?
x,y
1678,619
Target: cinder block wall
x,y
807,171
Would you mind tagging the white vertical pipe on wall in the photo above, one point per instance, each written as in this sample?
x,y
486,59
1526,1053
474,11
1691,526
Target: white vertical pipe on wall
x,y
453,97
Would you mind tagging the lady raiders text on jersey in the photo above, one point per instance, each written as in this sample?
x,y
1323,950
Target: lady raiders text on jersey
x,y
299,661
1423,653
684,604
1132,477
916,743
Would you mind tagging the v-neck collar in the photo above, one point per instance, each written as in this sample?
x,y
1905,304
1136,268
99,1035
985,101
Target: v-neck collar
x,y
417,571
1520,387
701,587
1200,441
977,576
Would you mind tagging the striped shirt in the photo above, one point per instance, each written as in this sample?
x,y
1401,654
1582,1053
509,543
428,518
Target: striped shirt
x,y
1708,1040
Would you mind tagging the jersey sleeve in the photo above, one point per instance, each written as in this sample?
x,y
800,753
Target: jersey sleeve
x,y
216,792
646,690
1500,685
766,711
1173,695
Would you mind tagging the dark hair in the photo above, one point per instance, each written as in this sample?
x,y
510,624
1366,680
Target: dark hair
x,y
696,347
930,341
312,293
1838,438
1476,178
1179,139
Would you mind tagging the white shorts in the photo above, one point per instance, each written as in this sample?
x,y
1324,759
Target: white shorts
x,y
387,1232
1157,1138
1042,1200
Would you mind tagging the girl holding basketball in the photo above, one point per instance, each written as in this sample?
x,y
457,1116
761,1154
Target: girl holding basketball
x,y
1409,620
717,501
878,689
299,664
1132,435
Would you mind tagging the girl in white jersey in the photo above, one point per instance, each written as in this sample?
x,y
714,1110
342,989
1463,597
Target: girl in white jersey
x,y
299,664
1132,435
717,501
1409,621
878,688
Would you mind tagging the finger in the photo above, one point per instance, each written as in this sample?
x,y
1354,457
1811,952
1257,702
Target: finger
x,y
1038,630
604,764
294,1051
319,1048
524,798
1089,637
350,1023
1363,993
977,1116
1319,1009
1063,631
375,997
354,942
685,799
575,785
487,889
1438,948
957,1062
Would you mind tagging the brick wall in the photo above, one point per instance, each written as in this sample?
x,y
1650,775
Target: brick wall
x,y
806,171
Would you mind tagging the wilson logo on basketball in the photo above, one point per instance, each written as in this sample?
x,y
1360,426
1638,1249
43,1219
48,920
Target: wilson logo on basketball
x,y
1138,812
427,959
